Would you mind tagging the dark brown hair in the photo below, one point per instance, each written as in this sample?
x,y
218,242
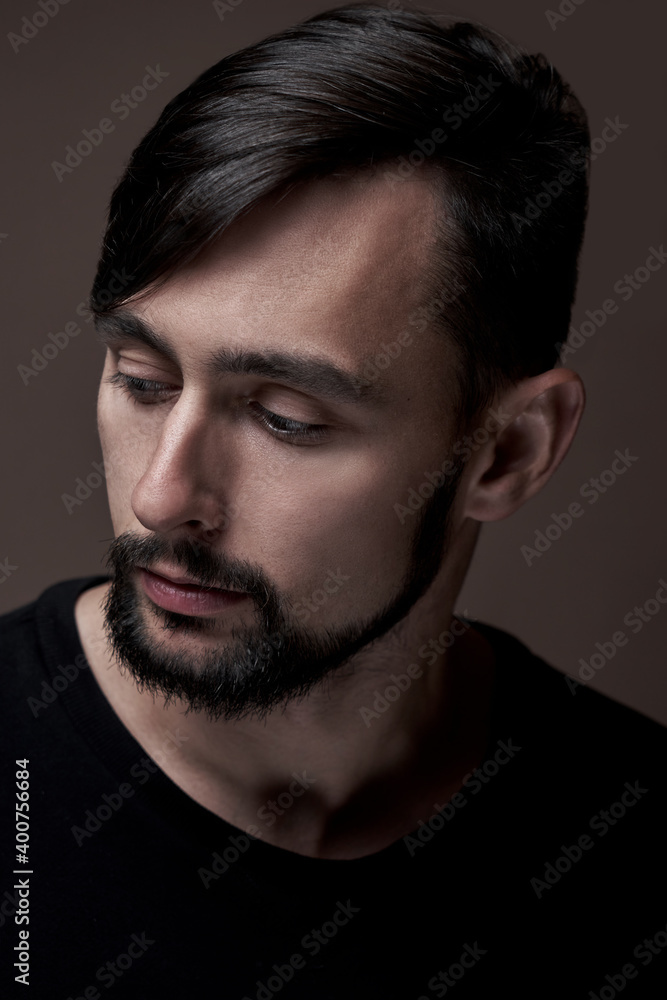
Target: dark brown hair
x,y
362,86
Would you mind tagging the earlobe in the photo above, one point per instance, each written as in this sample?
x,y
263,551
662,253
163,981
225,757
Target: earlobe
x,y
526,451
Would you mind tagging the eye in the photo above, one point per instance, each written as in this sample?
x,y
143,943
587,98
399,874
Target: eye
x,y
291,431
147,392
142,390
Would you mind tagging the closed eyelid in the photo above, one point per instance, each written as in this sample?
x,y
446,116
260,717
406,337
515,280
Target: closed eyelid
x,y
291,431
289,420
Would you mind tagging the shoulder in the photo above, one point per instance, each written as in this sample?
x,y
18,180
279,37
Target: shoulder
x,y
570,724
41,631
58,597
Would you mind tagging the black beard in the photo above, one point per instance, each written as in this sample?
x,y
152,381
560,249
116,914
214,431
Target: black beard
x,y
263,665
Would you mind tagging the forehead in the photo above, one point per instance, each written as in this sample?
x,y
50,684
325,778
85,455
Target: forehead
x,y
336,267
350,233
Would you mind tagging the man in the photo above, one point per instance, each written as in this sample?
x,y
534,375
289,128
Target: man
x,y
265,754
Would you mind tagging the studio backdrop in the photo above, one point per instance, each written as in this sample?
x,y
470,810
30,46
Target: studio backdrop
x,y
84,79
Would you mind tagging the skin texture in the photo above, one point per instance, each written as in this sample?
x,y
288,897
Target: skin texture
x,y
333,270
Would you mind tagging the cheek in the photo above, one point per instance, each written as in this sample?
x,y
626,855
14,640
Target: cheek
x,y
316,520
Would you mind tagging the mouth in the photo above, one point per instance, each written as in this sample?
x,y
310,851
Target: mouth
x,y
186,597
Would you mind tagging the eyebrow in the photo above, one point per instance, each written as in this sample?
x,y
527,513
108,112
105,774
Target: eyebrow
x,y
316,376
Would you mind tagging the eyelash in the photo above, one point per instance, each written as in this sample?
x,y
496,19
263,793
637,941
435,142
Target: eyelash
x,y
290,431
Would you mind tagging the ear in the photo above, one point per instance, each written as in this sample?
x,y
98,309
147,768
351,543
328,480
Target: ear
x,y
537,419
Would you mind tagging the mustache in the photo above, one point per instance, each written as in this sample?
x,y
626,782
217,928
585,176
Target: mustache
x,y
207,568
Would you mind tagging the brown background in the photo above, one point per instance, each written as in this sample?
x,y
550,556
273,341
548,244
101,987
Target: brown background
x,y
65,79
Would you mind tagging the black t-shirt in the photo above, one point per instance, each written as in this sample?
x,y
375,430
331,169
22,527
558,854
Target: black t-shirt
x,y
544,877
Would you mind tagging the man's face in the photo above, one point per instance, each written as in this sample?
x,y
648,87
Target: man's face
x,y
276,477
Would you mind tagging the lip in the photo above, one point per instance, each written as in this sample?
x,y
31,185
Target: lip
x,y
185,597
184,580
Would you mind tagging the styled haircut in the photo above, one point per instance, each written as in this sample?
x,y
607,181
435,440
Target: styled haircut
x,y
361,87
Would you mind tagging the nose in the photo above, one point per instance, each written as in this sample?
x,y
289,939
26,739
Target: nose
x,y
182,485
